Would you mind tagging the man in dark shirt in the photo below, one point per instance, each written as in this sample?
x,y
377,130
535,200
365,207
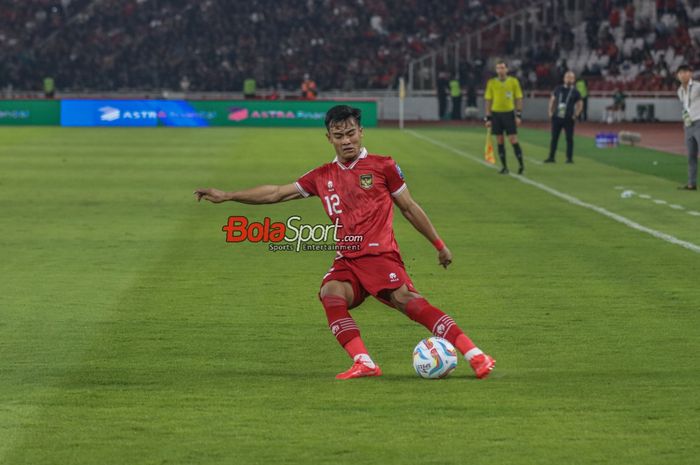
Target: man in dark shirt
x,y
565,105
442,88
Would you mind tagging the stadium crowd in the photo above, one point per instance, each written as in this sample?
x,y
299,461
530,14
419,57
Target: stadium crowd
x,y
343,44
216,44
617,46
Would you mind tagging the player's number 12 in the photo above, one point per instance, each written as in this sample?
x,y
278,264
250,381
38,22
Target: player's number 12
x,y
332,204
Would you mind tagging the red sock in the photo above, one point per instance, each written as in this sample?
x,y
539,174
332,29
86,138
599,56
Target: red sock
x,y
342,325
463,344
438,323
355,347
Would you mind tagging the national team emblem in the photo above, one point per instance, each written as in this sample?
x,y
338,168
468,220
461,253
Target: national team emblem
x,y
330,185
440,329
393,278
366,181
335,329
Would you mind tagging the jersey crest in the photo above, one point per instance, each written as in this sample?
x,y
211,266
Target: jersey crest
x,y
366,181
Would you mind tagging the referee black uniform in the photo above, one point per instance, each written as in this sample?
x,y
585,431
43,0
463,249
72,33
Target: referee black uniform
x,y
563,111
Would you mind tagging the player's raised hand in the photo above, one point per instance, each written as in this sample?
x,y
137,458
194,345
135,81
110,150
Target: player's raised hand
x,y
445,257
212,195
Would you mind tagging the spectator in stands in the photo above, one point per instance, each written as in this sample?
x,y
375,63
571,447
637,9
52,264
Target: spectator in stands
x,y
616,111
249,88
442,89
456,94
49,87
582,88
472,110
308,88
185,84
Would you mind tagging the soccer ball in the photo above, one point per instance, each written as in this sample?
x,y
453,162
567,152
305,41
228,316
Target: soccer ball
x,y
434,358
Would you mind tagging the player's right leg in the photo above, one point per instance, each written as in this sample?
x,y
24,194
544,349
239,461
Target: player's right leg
x,y
337,297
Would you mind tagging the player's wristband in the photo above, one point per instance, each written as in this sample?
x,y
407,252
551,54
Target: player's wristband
x,y
438,244
519,114
487,118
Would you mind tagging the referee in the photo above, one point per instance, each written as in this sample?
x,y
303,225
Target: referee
x,y
565,105
504,109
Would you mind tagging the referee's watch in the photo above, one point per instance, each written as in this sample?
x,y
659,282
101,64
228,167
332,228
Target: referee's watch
x,y
487,118
518,114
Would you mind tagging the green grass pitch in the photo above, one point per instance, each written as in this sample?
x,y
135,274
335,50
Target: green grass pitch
x,y
132,333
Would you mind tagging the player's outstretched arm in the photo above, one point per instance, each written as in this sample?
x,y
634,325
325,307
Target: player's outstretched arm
x,y
255,195
419,219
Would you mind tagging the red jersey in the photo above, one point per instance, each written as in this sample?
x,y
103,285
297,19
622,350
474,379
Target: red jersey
x,y
359,196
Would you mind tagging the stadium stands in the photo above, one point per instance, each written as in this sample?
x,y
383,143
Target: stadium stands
x,y
216,44
213,45
618,46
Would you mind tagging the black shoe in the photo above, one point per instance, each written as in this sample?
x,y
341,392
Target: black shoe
x,y
570,161
504,170
688,187
550,160
521,170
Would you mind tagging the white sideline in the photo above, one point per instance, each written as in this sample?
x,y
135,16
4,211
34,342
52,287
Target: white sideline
x,y
573,200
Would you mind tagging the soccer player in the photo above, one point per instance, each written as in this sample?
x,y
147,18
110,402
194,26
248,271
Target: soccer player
x,y
358,189
504,112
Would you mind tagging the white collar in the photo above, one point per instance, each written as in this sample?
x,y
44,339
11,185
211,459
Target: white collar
x,y
363,154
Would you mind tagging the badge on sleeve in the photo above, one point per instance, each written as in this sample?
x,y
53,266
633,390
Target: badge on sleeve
x,y
398,168
366,181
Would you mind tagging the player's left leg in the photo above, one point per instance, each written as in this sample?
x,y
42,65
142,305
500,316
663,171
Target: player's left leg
x,y
513,138
337,297
442,325
569,129
554,140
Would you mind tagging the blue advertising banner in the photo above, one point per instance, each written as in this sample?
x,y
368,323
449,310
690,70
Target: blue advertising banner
x,y
132,113
205,113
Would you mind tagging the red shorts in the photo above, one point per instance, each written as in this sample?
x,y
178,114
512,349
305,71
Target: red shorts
x,y
371,275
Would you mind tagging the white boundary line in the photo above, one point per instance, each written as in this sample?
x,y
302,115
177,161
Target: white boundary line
x,y
572,200
657,201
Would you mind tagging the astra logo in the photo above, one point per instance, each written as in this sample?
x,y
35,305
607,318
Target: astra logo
x,y
109,114
112,114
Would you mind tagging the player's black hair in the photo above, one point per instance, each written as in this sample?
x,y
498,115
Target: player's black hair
x,y
683,68
340,113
